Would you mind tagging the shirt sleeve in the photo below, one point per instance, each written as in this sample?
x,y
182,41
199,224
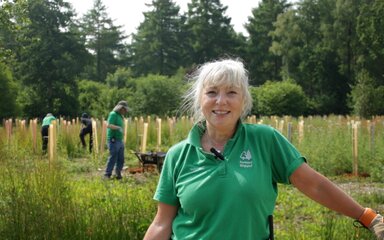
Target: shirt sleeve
x,y
285,158
166,190
112,118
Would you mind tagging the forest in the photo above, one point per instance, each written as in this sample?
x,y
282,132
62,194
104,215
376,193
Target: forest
x,y
307,57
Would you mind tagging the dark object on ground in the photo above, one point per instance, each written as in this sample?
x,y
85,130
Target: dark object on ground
x,y
151,158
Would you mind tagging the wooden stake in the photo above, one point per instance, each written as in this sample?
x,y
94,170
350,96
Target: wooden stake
x,y
125,129
371,131
144,141
103,136
8,129
301,131
158,123
52,142
289,131
171,125
355,148
33,126
281,126
95,139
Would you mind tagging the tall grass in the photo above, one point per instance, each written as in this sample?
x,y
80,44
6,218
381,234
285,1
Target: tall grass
x,y
67,199
41,202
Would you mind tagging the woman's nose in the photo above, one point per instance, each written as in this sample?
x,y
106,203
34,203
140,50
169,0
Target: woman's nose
x,y
221,98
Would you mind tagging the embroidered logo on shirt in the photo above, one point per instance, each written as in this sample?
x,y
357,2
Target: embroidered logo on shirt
x,y
246,159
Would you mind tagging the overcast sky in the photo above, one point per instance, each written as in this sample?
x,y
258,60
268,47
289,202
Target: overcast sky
x,y
128,13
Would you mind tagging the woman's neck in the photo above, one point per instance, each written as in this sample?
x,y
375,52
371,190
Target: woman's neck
x,y
215,139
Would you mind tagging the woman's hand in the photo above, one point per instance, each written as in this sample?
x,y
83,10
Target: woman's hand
x,y
377,227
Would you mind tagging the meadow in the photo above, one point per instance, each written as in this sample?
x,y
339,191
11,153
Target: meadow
x,y
64,196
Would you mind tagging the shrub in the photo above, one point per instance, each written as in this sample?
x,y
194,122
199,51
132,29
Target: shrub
x,y
279,98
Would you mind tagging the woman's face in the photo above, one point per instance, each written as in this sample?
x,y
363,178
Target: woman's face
x,y
222,106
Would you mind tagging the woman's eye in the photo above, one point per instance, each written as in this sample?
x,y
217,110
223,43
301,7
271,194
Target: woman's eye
x,y
211,93
232,92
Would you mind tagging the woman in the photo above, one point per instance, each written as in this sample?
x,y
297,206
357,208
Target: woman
x,y
221,182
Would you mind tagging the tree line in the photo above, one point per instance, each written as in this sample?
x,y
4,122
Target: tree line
x,y
304,57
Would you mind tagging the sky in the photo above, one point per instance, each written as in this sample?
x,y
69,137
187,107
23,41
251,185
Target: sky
x,y
128,13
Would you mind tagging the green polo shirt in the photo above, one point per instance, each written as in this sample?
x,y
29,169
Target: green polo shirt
x,y
47,120
228,199
115,118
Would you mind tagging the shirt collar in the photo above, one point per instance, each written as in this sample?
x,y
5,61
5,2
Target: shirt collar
x,y
197,131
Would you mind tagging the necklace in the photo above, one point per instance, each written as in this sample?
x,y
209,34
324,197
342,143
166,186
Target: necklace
x,y
207,143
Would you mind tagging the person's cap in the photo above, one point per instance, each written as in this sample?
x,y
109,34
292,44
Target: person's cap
x,y
84,115
120,105
49,115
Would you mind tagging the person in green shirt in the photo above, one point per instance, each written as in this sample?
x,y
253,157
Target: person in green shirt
x,y
221,181
45,130
115,134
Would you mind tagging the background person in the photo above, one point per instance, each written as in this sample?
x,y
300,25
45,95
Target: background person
x,y
86,122
221,182
115,134
45,130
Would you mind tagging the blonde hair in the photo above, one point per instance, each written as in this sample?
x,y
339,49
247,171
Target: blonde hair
x,y
226,72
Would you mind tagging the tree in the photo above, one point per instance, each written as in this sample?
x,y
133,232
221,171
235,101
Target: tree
x,y
367,96
211,34
103,40
157,47
304,38
49,56
263,64
370,33
8,89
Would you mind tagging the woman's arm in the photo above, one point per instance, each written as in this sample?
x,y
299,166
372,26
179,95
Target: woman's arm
x,y
322,190
161,227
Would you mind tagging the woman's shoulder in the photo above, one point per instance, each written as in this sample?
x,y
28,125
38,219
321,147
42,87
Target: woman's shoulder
x,y
178,147
261,128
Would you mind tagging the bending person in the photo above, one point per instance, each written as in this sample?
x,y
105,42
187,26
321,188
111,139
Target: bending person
x,y
45,130
86,122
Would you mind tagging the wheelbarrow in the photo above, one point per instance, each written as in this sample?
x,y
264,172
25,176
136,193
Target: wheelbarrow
x,y
151,158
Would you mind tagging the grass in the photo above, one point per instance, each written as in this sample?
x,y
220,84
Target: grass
x,y
67,198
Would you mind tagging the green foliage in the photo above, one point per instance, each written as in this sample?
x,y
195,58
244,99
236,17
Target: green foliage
x,y
158,46
47,56
279,98
157,95
324,46
211,34
370,32
308,40
367,97
267,65
104,42
8,89
120,78
97,99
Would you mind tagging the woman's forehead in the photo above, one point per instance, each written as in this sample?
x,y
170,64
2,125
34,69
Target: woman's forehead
x,y
224,86
221,85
